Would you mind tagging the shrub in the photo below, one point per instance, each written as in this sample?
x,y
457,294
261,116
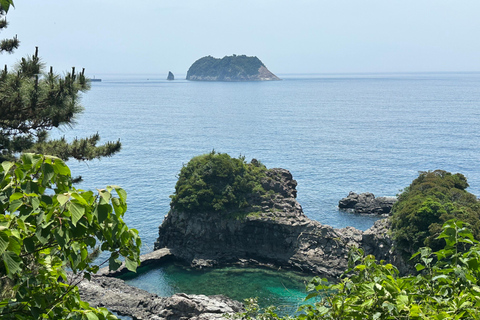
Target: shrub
x,y
422,208
216,182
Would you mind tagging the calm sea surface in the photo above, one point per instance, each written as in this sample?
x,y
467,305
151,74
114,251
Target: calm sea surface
x,y
335,133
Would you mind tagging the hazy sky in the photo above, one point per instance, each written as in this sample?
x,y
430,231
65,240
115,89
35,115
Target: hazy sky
x,y
289,36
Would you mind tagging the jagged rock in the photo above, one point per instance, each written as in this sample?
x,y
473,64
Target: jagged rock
x,y
279,234
126,300
378,242
170,76
366,203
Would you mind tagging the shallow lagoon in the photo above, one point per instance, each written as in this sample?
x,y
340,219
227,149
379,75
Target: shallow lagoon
x,y
281,288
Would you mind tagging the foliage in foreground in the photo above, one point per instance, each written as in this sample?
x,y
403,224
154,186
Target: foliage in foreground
x,y
432,199
447,286
47,226
216,182
33,102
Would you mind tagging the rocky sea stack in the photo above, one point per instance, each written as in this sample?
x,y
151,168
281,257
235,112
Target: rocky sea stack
x,y
270,229
229,68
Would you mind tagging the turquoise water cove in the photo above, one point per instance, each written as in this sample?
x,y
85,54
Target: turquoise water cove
x,y
335,133
283,289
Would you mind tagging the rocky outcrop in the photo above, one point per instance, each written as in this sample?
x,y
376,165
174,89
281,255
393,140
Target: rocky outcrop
x,y
229,68
279,234
366,203
170,76
126,300
156,257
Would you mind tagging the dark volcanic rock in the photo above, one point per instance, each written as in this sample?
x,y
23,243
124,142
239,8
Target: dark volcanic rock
x,y
366,203
170,76
279,234
123,299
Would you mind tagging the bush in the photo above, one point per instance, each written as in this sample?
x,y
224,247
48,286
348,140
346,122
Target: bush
x,y
432,199
216,182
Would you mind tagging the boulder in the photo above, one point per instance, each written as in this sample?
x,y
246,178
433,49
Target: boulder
x,y
170,76
366,203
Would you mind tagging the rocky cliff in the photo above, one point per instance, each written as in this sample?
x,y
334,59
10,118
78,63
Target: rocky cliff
x,y
280,234
229,68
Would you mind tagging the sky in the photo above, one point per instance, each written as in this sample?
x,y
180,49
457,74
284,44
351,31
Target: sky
x,y
289,36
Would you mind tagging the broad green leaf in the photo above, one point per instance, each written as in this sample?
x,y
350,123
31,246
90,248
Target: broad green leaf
x,y
102,211
90,315
7,165
113,263
14,245
35,201
105,195
14,205
122,194
61,168
79,198
3,241
12,262
63,198
29,244
131,264
77,211
419,267
15,196
48,173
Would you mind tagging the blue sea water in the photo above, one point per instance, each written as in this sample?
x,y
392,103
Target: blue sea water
x,y
336,133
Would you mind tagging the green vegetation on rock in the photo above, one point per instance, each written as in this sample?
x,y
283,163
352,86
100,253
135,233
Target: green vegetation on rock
x,y
422,208
217,182
229,68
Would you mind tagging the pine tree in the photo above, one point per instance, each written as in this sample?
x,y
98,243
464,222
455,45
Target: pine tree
x,y
33,101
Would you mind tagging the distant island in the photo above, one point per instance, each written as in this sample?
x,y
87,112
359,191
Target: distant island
x,y
229,68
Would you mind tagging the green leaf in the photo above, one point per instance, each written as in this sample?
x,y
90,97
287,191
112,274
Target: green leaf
x,y
12,262
61,168
122,194
63,198
6,165
77,211
48,173
419,267
114,263
15,196
14,205
29,244
14,245
90,315
3,241
102,211
80,198
131,265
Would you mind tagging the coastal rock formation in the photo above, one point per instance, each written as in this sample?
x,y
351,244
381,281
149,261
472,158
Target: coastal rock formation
x,y
229,68
280,234
126,300
366,203
170,76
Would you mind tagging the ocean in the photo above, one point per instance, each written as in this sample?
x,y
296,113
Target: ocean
x,y
336,133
